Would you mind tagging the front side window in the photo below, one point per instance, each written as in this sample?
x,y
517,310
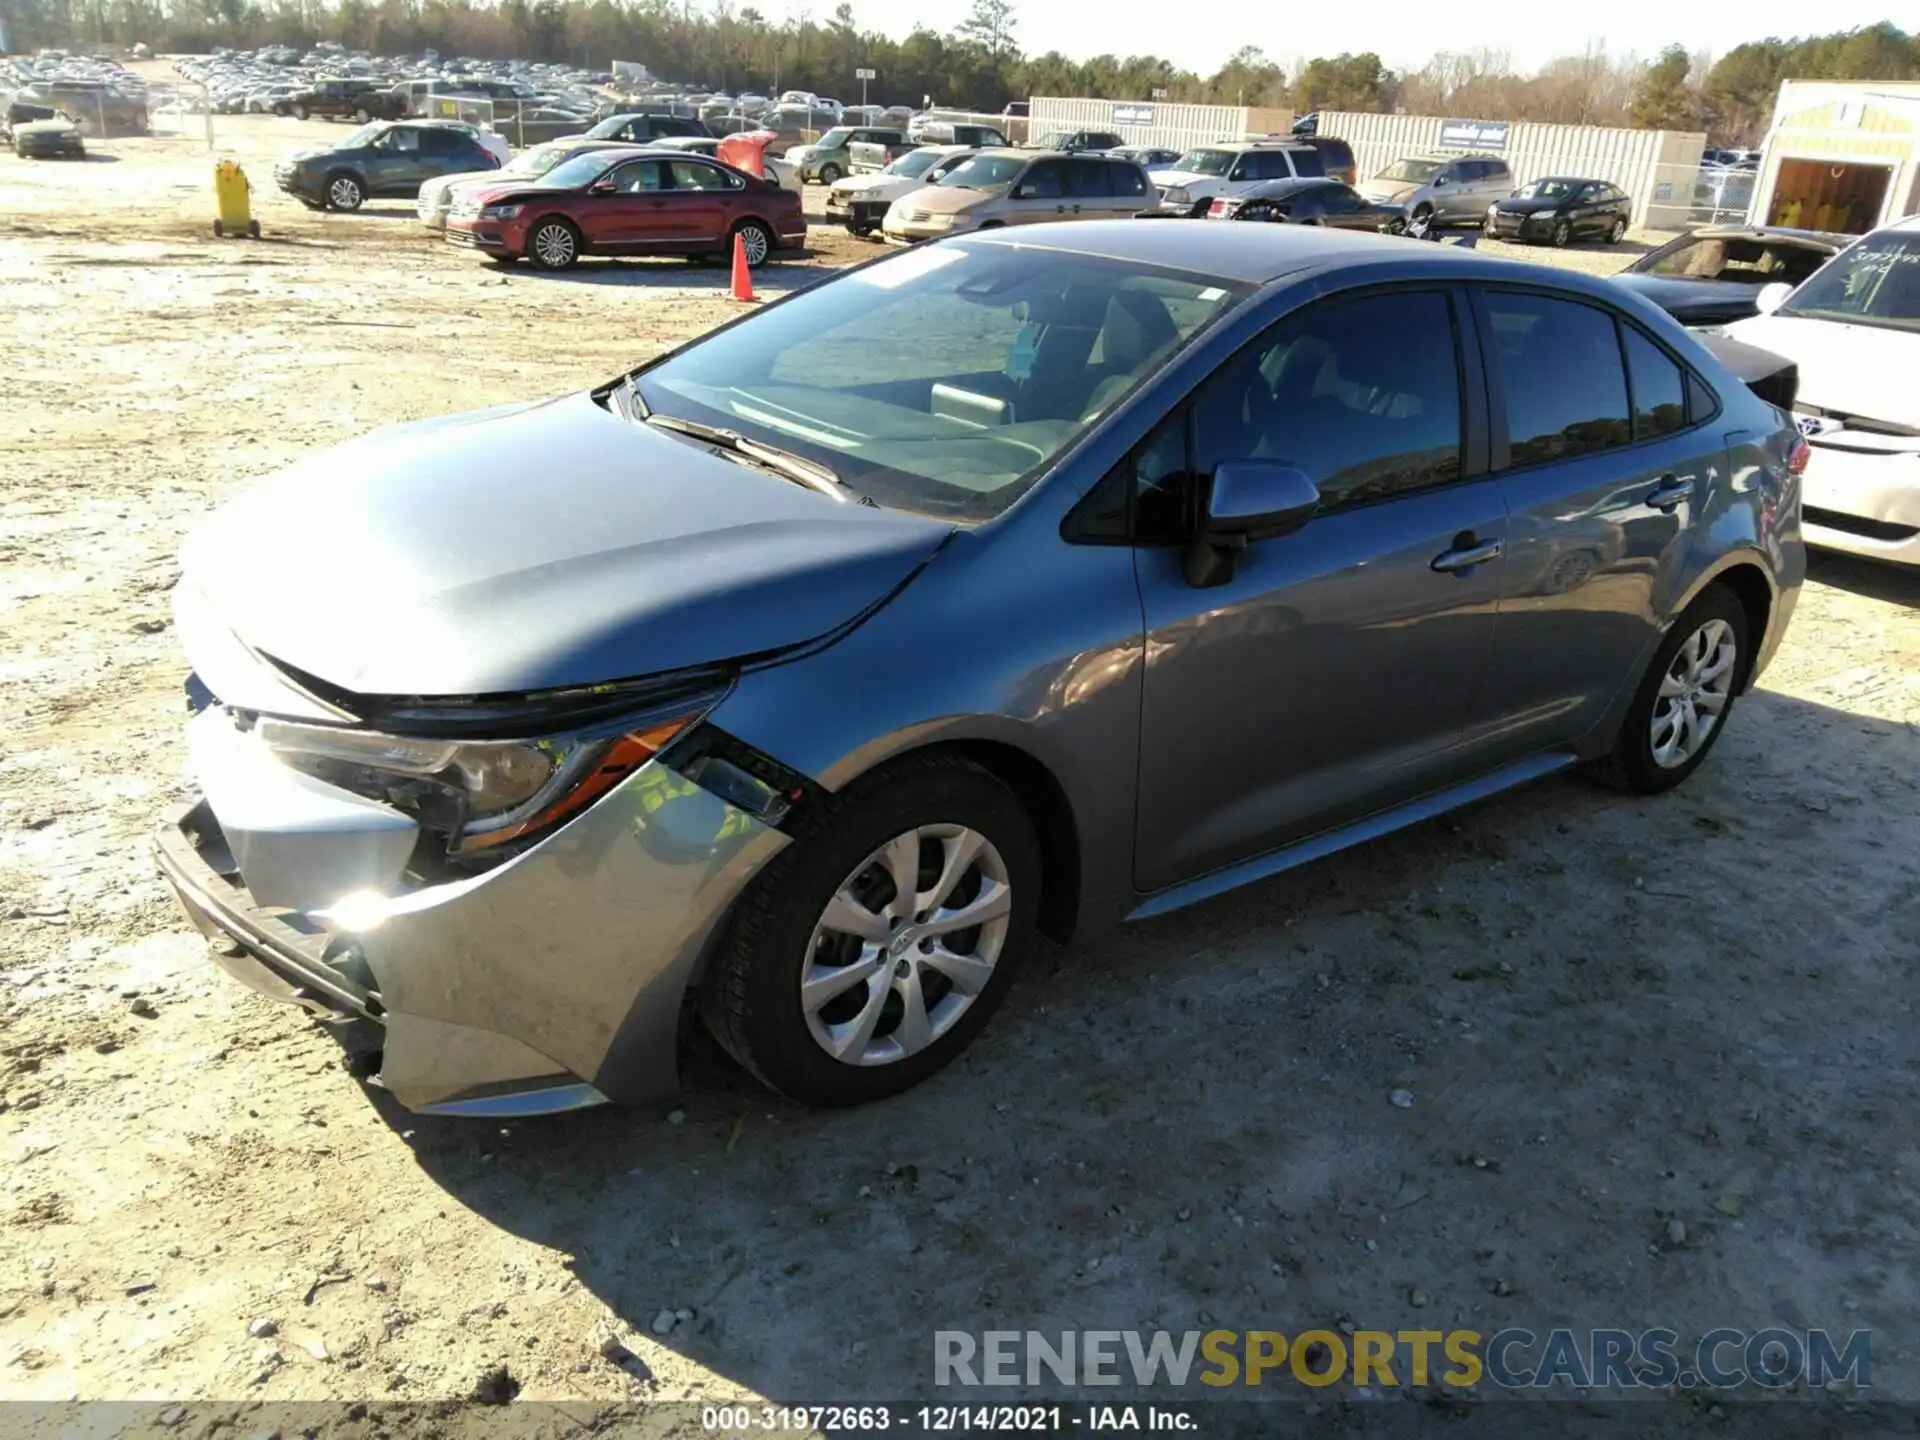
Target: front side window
x,y
1874,282
1362,394
1559,364
1089,180
1045,181
983,172
943,380
641,177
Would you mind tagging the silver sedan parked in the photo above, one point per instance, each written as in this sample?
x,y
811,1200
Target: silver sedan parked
x,y
1017,583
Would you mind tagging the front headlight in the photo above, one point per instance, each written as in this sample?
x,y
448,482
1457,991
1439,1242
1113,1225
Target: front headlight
x,y
500,212
1175,195
480,794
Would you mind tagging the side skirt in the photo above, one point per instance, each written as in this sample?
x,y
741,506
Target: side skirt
x,y
1218,882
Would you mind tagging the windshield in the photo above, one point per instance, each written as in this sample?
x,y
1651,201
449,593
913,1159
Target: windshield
x,y
835,137
1054,140
914,162
1876,282
608,128
1411,172
1205,162
1550,190
984,172
944,380
364,136
538,160
581,169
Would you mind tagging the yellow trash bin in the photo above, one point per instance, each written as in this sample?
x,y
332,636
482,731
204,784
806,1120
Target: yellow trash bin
x,y
234,198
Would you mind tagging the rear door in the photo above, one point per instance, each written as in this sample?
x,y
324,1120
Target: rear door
x,y
1089,188
698,202
1132,191
1605,470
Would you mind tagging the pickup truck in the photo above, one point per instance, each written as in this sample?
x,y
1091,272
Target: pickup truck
x,y
831,156
357,100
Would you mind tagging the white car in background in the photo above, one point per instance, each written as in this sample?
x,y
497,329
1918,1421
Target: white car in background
x,y
1853,330
860,201
786,175
436,196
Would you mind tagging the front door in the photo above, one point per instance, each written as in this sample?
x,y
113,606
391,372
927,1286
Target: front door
x,y
625,205
1040,194
1335,673
396,169
1605,467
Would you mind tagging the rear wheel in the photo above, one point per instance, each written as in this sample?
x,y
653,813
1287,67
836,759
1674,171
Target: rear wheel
x,y
1258,210
299,112
873,949
1684,699
756,240
553,245
345,192
360,116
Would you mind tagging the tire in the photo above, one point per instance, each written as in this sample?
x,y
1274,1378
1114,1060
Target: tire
x,y
861,232
1200,209
830,173
299,112
218,229
1617,231
1257,211
360,116
1684,656
759,242
553,244
1486,220
1562,233
253,229
345,192
777,935
1425,212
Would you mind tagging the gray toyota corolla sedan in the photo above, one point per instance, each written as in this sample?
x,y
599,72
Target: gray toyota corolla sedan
x,y
1043,578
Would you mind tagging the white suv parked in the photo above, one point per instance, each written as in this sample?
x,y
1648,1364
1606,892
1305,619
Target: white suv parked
x,y
1204,174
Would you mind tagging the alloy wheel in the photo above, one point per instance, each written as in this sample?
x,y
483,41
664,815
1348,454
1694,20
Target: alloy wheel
x,y
553,246
1693,694
906,944
344,193
755,240
1562,232
1617,232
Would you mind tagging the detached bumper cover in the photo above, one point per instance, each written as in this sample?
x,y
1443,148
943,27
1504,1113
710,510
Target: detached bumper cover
x,y
555,980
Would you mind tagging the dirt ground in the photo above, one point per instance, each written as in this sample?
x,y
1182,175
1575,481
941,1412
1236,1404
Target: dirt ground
x,y
1612,1015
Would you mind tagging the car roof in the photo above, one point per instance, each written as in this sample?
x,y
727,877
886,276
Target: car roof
x,y
1824,238
1257,254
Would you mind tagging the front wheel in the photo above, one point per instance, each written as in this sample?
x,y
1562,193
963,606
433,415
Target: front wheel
x,y
756,240
345,192
1684,699
1199,209
1617,231
299,112
1562,233
830,174
553,245
873,949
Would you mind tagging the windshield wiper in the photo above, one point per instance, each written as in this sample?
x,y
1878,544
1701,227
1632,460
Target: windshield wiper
x,y
783,463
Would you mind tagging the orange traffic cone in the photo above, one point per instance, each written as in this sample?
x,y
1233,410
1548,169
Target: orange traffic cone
x,y
742,276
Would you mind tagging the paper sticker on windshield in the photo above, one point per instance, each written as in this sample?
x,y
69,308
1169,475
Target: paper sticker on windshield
x,y
1212,293
1026,345
904,269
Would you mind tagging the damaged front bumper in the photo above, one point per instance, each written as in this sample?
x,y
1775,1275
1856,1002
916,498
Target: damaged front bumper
x,y
551,982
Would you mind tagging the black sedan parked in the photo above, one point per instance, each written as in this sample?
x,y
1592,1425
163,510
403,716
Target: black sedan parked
x,y
1305,202
1559,209
1710,276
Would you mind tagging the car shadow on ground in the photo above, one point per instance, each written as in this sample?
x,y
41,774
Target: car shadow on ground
x,y
773,279
1471,1074
1878,579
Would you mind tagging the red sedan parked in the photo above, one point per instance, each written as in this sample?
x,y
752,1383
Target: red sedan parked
x,y
628,202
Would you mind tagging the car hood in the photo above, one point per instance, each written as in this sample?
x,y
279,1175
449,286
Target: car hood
x,y
1532,204
441,184
1694,299
947,199
1386,191
312,152
536,546
1855,369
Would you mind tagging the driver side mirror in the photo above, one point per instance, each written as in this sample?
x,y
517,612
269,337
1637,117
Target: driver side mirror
x,y
1023,192
1772,297
601,187
1439,180
1248,500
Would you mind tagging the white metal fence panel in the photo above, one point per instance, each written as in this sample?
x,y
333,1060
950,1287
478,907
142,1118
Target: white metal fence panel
x,y
1175,126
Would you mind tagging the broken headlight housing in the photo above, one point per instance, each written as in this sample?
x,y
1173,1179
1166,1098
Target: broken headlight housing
x,y
483,796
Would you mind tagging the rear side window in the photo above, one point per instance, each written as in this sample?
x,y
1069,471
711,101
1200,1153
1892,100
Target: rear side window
x,y
1659,387
1559,364
1088,179
1129,180
1362,394
1308,162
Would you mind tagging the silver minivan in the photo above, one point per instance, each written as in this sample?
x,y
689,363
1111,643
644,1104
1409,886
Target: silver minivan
x,y
1449,189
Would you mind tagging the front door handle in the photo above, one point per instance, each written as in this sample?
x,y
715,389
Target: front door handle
x,y
1466,554
1668,494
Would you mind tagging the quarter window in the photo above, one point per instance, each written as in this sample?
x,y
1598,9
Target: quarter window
x,y
1659,387
1362,394
1559,364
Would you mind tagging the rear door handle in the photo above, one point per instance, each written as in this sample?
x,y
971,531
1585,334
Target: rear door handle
x,y
1466,554
1668,494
